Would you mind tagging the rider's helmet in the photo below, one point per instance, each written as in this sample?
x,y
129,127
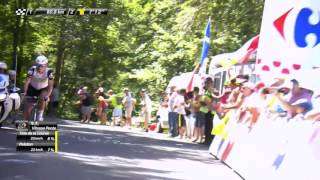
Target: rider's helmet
x,y
12,72
3,65
41,60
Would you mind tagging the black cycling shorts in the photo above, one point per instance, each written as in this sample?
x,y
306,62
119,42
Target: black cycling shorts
x,y
35,92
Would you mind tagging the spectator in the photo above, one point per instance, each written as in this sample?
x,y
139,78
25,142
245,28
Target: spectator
x,y
162,113
172,116
102,106
179,108
234,101
299,100
54,101
236,89
190,115
146,104
116,106
128,104
86,105
298,92
200,115
207,108
249,111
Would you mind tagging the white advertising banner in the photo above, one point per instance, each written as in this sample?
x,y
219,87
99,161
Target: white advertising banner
x,y
289,38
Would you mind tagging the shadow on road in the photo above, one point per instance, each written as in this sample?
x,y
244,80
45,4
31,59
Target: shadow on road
x,y
96,152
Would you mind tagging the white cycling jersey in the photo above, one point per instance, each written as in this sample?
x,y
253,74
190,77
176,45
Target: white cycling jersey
x,y
39,81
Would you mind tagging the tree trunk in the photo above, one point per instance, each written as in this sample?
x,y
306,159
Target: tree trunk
x,y
60,53
16,33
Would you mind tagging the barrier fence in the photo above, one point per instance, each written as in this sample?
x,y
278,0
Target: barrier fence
x,y
274,148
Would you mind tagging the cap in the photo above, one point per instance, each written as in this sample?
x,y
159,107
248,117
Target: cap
x,y
240,80
126,89
100,90
143,90
110,91
249,85
294,81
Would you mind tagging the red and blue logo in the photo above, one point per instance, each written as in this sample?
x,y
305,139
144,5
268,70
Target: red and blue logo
x,y
302,27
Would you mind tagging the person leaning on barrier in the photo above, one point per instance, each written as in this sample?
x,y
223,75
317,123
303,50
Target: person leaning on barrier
x,y
234,101
299,99
252,106
235,84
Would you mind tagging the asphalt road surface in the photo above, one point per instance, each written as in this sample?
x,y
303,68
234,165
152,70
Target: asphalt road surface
x,y
94,152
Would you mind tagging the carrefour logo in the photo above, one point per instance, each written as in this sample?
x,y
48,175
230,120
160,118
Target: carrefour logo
x,y
307,22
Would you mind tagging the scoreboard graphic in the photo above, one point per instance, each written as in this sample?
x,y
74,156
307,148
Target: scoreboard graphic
x,y
61,11
36,136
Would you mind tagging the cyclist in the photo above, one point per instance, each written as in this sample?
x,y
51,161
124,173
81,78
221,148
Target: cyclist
x,y
39,83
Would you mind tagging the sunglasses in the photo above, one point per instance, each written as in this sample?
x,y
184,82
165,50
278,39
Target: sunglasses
x,y
42,65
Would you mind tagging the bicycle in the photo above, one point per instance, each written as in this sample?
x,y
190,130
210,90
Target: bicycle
x,y
35,100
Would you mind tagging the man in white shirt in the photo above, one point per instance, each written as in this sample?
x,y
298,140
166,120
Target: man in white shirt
x,y
172,116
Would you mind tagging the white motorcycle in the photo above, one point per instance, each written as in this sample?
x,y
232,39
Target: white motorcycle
x,y
8,101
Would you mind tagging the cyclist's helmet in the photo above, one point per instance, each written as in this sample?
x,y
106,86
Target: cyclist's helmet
x,y
3,65
41,60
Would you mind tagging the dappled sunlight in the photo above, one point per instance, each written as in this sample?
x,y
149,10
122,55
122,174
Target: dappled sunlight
x,y
82,132
118,163
118,154
104,161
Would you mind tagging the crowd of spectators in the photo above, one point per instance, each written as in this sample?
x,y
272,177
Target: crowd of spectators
x,y
282,98
189,115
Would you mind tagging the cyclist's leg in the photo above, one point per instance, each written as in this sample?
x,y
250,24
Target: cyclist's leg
x,y
28,102
42,103
27,110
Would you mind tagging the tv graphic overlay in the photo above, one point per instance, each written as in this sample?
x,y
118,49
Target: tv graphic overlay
x,y
61,11
36,136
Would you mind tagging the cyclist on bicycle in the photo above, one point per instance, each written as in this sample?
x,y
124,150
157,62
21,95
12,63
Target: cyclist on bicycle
x,y
39,83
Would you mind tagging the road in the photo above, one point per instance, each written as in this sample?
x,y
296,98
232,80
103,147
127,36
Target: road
x,y
94,152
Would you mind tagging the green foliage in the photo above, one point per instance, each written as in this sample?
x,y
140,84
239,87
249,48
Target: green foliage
x,y
139,44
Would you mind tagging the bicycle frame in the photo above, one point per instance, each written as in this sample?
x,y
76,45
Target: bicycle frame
x,y
34,100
